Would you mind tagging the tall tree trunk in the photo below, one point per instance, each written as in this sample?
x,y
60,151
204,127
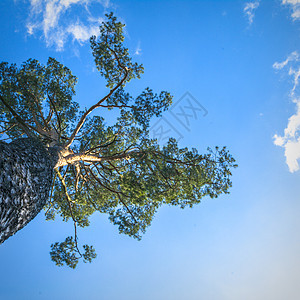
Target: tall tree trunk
x,y
26,173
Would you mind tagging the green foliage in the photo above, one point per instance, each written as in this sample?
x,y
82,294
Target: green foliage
x,y
33,91
111,57
67,253
135,175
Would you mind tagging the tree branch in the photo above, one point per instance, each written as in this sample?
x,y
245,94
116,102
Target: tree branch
x,y
35,100
83,118
56,113
7,129
101,146
18,118
113,191
73,158
70,208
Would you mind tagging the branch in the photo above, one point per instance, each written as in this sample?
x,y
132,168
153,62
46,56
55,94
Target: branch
x,y
56,113
73,158
113,191
70,208
18,118
10,127
101,146
39,128
38,107
171,160
116,106
98,104
25,127
49,117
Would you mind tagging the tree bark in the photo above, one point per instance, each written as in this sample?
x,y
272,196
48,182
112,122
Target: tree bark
x,y
26,173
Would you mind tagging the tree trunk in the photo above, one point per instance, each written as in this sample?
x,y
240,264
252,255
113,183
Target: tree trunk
x,y
26,173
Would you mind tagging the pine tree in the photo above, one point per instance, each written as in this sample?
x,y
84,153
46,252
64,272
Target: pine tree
x,y
72,164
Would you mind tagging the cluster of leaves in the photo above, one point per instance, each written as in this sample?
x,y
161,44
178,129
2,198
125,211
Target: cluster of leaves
x,y
112,59
66,253
41,95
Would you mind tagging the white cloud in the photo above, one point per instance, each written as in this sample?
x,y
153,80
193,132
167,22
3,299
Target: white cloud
x,y
138,50
82,33
249,10
295,6
290,141
292,57
52,19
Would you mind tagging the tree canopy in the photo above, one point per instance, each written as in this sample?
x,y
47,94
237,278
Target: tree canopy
x,y
117,170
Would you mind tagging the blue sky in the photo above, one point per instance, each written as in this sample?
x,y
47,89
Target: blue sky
x,y
240,62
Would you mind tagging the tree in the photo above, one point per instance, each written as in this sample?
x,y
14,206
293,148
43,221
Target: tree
x,y
71,164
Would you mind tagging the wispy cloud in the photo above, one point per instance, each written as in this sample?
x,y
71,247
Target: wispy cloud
x,y
290,141
249,10
138,49
295,7
51,19
292,57
82,33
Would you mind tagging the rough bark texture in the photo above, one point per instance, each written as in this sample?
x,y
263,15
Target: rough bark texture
x,y
26,172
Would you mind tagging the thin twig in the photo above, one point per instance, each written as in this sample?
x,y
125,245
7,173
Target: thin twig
x,y
70,208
